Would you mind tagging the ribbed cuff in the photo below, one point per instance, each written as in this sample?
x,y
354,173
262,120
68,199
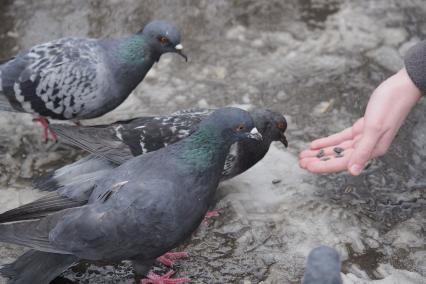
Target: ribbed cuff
x,y
415,64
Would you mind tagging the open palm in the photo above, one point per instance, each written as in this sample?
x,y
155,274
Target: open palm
x,y
370,136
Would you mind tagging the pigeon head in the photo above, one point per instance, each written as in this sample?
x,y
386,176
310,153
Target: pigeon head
x,y
271,125
234,124
163,37
322,267
209,144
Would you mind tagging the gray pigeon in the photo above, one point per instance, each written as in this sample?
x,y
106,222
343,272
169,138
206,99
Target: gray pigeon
x,y
140,210
323,267
114,144
80,78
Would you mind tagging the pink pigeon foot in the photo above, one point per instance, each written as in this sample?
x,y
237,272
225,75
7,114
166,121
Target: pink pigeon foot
x,y
45,124
153,278
168,259
210,214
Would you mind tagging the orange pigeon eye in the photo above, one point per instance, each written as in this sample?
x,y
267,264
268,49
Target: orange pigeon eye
x,y
240,127
280,125
163,40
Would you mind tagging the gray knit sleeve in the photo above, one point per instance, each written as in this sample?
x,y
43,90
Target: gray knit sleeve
x,y
415,64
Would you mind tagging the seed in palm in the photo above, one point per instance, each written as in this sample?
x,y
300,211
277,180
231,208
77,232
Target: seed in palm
x,y
320,153
338,150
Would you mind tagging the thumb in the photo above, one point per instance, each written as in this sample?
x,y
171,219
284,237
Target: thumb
x,y
363,151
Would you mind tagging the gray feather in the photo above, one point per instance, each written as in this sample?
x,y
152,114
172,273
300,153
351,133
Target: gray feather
x,y
32,234
42,207
5,104
143,208
323,267
55,79
118,142
111,149
36,267
80,78
78,176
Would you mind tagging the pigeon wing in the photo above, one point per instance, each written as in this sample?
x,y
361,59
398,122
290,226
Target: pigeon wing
x,y
100,141
121,141
124,216
53,79
40,208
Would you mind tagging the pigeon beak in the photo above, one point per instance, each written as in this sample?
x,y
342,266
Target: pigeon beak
x,y
178,50
254,134
283,140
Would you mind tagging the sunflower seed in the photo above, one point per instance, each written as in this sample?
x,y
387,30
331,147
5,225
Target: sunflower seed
x,y
320,153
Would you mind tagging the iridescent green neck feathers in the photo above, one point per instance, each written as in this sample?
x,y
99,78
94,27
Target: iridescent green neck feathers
x,y
205,147
133,50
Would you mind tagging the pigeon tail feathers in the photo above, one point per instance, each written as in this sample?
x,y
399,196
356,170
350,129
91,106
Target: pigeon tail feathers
x,y
36,267
5,104
81,174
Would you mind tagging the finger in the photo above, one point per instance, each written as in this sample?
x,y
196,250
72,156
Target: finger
x,y
338,138
326,151
303,162
330,166
332,139
363,151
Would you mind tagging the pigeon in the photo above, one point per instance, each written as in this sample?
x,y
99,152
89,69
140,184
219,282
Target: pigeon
x,y
80,78
114,144
323,267
140,210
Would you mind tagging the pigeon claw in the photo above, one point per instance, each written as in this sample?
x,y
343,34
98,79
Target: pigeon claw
x,y
153,278
168,259
45,124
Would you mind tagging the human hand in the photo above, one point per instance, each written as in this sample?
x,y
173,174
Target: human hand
x,y
371,135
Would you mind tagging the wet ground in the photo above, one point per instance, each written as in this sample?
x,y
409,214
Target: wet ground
x,y
315,61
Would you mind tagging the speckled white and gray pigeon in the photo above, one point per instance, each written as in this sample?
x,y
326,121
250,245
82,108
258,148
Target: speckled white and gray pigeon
x,y
139,211
81,78
114,144
322,267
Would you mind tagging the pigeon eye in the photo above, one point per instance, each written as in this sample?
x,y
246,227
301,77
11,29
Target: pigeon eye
x,y
240,127
163,40
281,125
